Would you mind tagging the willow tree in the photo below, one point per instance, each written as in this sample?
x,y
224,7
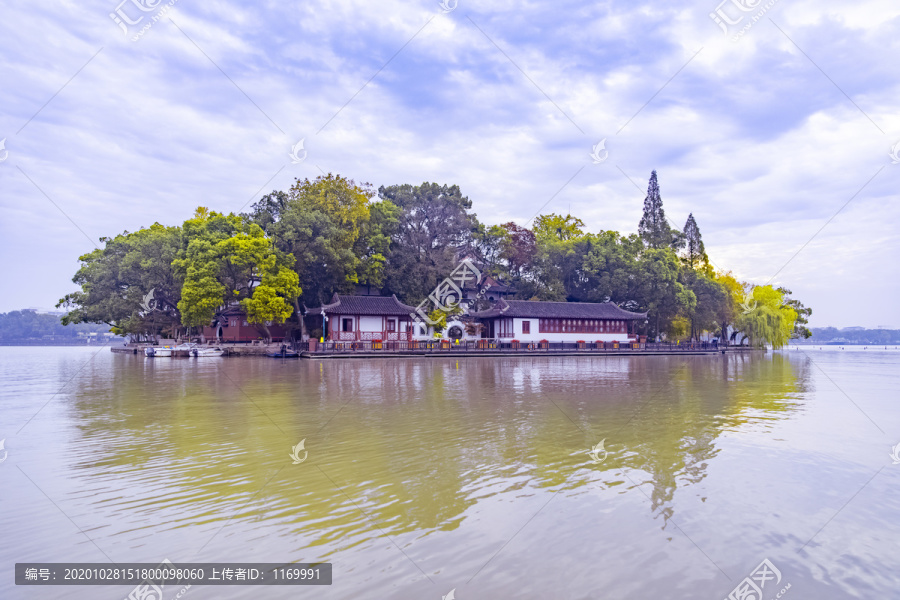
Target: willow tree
x,y
765,319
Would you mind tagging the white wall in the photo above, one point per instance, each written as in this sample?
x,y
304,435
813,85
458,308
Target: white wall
x,y
536,336
368,323
456,323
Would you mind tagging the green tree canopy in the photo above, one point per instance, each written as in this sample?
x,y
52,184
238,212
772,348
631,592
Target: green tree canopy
x,y
226,260
765,319
129,284
435,228
300,246
554,226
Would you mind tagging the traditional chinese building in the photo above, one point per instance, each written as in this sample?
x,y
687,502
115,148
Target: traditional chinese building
x,y
488,289
531,321
231,325
366,318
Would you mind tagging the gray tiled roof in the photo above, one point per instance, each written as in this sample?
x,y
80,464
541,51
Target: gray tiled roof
x,y
364,305
558,310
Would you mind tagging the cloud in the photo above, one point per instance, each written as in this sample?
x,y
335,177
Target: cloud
x,y
504,98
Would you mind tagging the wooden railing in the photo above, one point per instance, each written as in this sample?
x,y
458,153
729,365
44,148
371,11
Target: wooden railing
x,y
368,336
497,345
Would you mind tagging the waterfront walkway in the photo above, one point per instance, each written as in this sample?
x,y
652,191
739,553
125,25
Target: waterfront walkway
x,y
438,348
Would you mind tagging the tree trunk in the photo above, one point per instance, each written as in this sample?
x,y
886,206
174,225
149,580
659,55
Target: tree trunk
x,y
300,318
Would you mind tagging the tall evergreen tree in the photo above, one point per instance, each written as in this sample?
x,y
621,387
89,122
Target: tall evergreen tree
x,y
695,253
653,228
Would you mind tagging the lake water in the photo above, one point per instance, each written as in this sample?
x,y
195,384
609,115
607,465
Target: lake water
x,y
430,475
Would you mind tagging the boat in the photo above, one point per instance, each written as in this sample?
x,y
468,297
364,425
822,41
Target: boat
x,y
207,352
183,350
283,353
156,352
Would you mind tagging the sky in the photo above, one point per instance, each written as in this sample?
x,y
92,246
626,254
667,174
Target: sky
x,y
774,126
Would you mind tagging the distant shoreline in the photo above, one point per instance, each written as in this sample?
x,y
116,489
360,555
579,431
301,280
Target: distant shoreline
x,y
115,343
844,344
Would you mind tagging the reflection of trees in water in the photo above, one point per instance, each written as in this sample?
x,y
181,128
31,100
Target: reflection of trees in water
x,y
672,439
413,443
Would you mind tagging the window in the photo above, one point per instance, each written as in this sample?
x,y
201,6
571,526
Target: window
x,y
346,324
526,327
575,326
505,328
392,325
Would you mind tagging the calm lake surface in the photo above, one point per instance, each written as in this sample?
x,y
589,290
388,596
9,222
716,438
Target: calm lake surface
x,y
428,475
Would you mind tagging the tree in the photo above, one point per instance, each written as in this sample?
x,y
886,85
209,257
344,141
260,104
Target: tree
x,y
438,319
659,290
550,269
374,242
129,284
554,274
695,253
342,199
228,260
434,230
28,324
328,235
765,319
518,248
712,300
335,237
803,313
488,244
608,270
268,210
558,227
727,310
654,229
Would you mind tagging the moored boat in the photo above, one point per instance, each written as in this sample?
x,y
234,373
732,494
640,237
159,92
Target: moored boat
x,y
183,350
284,353
207,352
155,352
